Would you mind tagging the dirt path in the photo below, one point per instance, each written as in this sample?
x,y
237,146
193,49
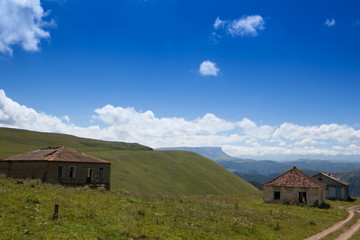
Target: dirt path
x,y
352,230
346,235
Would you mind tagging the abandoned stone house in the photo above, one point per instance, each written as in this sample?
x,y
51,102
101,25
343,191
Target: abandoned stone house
x,y
59,165
336,188
294,187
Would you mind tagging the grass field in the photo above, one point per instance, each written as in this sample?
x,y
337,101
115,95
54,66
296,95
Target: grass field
x,y
26,211
136,168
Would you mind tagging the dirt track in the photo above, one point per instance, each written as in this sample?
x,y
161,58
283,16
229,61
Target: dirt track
x,y
346,235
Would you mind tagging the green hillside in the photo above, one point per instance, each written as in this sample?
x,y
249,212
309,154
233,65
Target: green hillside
x,y
27,207
135,168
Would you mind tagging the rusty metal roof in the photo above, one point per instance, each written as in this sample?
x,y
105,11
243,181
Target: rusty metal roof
x,y
56,154
333,177
295,178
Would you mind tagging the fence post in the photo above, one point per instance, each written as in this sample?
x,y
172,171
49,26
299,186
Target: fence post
x,y
56,212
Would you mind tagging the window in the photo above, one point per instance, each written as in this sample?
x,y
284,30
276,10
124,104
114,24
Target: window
x,y
60,172
320,179
277,195
72,170
101,172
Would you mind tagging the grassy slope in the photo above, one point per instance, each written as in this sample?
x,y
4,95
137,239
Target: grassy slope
x,y
26,210
133,167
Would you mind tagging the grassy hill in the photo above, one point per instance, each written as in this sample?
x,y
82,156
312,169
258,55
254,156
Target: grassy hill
x,y
136,168
26,212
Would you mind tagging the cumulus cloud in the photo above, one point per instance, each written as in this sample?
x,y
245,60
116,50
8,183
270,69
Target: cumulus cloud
x,y
244,26
21,23
260,150
242,137
249,25
219,23
330,22
208,68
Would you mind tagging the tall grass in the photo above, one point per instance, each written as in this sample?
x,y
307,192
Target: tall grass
x,y
27,207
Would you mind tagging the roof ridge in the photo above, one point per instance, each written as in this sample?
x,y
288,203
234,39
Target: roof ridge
x,y
301,180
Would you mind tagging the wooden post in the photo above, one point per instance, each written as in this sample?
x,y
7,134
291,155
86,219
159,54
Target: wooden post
x,y
56,212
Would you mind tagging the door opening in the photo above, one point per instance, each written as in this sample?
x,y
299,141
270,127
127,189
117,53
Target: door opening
x,y
89,176
302,197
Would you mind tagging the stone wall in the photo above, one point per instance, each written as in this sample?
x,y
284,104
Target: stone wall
x,y
48,172
290,195
334,188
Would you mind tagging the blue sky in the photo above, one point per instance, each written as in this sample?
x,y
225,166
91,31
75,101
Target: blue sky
x,y
272,63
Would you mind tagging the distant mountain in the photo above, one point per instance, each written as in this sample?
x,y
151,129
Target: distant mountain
x,y
213,153
254,167
258,172
266,166
293,157
326,165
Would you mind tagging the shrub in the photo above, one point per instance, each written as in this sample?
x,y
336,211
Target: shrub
x,y
31,199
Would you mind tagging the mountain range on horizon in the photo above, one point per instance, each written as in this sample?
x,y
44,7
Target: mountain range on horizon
x,y
217,153
258,172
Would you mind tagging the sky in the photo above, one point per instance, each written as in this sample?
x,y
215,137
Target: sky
x,y
257,78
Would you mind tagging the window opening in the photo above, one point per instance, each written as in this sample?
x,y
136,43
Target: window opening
x,y
60,171
101,172
72,170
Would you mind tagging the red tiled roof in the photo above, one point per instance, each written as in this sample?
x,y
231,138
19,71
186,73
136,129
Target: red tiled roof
x,y
56,154
295,178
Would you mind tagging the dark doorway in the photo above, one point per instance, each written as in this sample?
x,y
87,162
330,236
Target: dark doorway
x,y
89,176
277,195
302,197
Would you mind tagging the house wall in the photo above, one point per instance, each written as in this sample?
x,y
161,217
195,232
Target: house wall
x,y
334,188
291,195
48,172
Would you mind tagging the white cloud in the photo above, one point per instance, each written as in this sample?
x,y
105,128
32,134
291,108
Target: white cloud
x,y
243,137
21,23
219,23
208,68
305,142
330,22
260,150
336,132
249,26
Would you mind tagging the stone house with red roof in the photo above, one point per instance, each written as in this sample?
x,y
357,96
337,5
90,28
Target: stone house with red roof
x,y
59,165
294,187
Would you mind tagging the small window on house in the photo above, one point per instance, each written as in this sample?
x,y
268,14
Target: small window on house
x,y
60,172
277,195
101,172
320,179
72,170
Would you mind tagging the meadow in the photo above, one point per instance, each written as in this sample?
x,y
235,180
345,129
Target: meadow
x,y
27,207
134,167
